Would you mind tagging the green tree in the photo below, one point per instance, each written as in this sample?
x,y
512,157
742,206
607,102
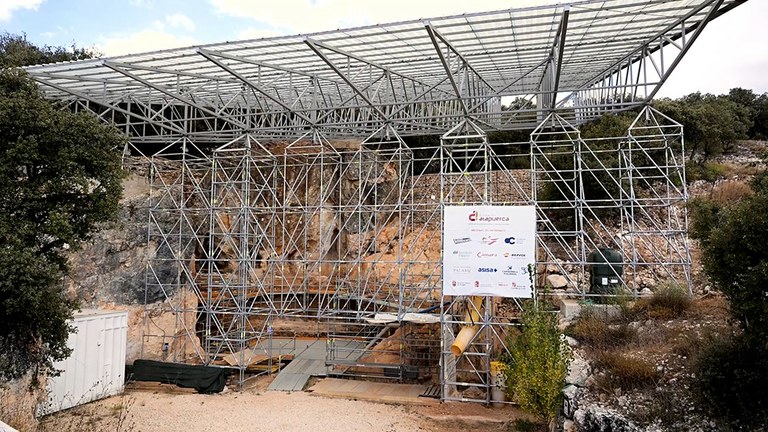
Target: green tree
x,y
537,365
733,238
60,177
17,51
711,124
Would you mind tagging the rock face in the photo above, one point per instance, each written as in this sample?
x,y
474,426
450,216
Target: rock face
x,y
111,267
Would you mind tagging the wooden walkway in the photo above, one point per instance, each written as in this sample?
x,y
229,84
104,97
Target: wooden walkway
x,y
373,391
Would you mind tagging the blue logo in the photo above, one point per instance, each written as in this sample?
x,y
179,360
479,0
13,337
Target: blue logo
x,y
486,270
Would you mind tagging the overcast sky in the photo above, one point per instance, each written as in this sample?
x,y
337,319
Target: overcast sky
x,y
730,53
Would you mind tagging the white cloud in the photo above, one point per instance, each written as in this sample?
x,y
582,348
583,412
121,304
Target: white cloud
x,y
7,7
728,54
143,41
258,33
179,20
303,16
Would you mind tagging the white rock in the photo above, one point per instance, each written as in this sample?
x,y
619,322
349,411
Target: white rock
x,y
569,426
573,343
557,281
578,371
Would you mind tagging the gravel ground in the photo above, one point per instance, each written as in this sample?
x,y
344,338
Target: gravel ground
x,y
167,409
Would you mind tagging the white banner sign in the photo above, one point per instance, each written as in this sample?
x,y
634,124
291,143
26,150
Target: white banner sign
x,y
487,250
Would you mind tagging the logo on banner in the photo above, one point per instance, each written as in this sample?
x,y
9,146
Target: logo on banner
x,y
477,217
486,270
510,271
489,240
463,254
509,240
462,240
514,255
486,255
463,270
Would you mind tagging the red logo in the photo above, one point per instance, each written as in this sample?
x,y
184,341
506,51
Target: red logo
x,y
473,216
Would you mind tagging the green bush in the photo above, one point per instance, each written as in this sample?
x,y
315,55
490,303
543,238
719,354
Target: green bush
x,y
731,378
537,365
708,171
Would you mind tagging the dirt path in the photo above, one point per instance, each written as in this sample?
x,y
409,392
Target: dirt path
x,y
164,408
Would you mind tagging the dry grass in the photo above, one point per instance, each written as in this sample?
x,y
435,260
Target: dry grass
x,y
600,331
740,169
624,371
730,192
668,302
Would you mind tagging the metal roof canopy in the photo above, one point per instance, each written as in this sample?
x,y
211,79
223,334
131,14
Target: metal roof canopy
x,y
420,76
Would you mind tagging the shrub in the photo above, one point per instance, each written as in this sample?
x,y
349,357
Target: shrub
x,y
707,171
731,376
669,301
537,365
623,371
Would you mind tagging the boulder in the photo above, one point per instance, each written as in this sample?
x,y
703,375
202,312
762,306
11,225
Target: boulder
x,y
557,281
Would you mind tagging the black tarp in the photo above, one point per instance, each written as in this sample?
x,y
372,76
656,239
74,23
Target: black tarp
x,y
204,379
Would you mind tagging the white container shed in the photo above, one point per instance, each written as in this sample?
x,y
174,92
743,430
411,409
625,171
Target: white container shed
x,y
96,367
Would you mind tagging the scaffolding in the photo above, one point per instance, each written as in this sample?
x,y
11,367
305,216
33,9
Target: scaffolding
x,y
288,196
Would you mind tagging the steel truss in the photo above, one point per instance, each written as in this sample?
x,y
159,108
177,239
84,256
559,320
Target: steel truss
x,y
421,76
269,213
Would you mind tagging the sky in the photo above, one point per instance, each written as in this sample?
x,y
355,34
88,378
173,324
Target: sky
x,y
730,53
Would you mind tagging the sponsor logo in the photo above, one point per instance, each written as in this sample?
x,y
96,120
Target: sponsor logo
x,y
477,284
509,240
463,254
462,240
510,271
463,270
477,217
486,255
487,270
489,240
514,255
